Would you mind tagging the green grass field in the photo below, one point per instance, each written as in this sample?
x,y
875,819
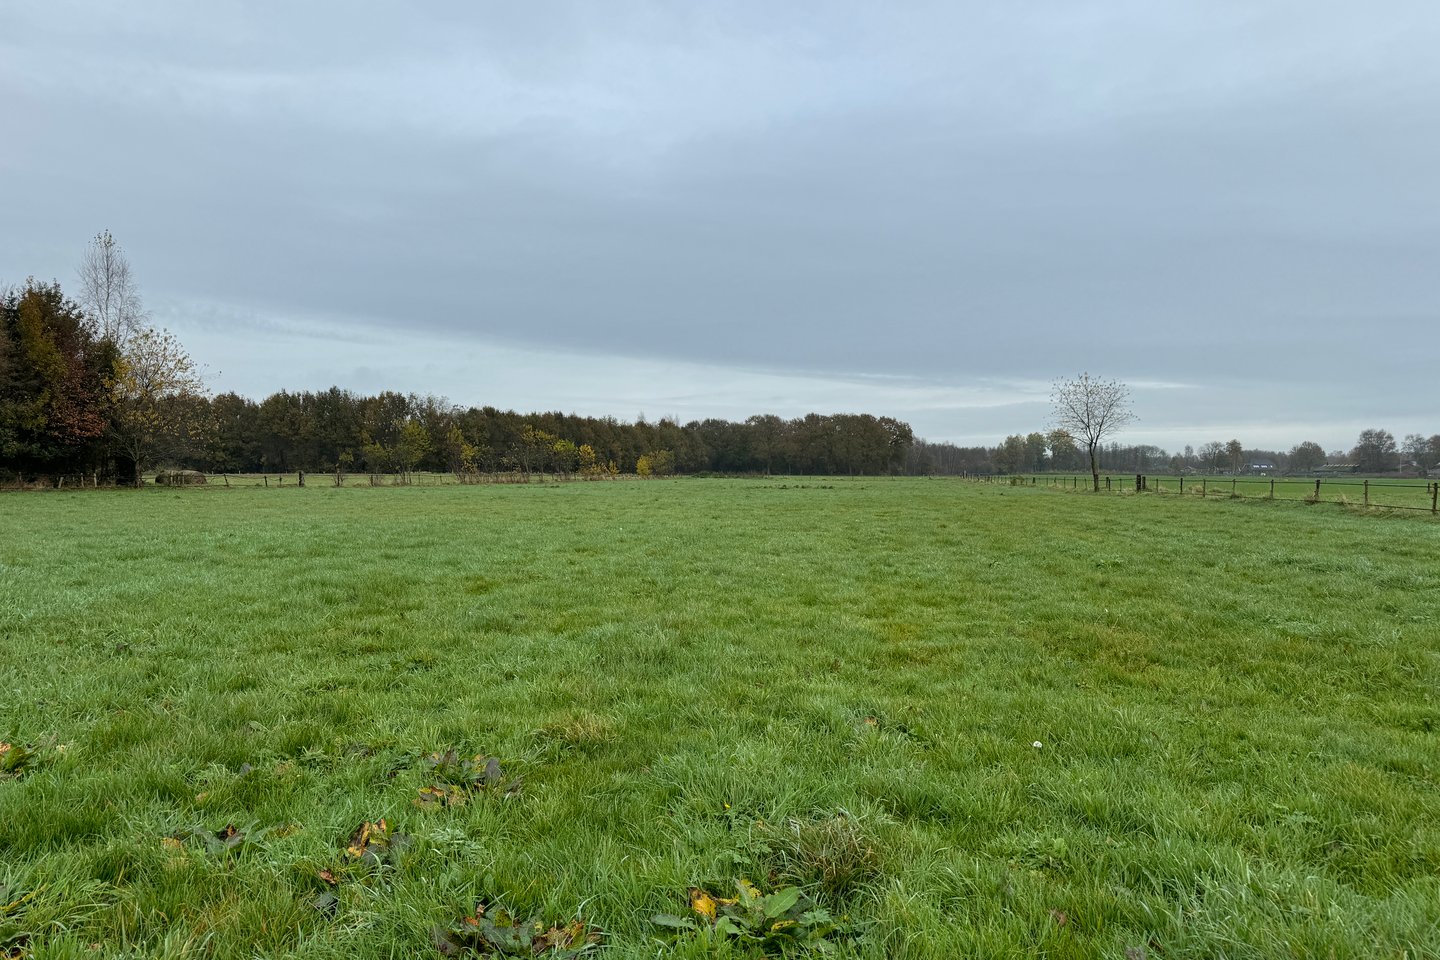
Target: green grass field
x,y
959,719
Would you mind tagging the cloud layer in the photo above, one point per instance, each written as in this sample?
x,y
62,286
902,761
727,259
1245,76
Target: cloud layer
x,y
926,212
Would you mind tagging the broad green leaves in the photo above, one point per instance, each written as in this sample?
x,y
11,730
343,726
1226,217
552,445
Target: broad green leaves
x,y
780,921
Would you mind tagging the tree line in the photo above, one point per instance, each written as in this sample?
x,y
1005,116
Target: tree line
x,y
1376,451
398,434
88,388
75,401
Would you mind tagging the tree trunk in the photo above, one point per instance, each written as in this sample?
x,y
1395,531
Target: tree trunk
x,y
1094,468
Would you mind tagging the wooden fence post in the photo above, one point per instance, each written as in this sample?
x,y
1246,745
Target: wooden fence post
x,y
1317,489
1272,488
1367,491
1434,496
1203,483
1232,486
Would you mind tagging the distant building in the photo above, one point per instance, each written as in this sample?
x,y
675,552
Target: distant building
x,y
1262,467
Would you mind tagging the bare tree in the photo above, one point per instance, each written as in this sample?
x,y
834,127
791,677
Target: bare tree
x,y
1236,452
1375,451
1414,448
107,290
1091,410
1307,456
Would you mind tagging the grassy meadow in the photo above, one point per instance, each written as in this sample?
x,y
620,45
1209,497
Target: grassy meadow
x,y
919,718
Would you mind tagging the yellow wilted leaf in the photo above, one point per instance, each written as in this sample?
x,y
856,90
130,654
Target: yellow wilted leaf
x,y
170,843
702,903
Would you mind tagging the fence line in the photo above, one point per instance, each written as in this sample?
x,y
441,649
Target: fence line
x,y
294,479
1365,492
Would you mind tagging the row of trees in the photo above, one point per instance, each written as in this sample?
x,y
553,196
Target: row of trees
x,y
1375,451
89,388
72,403
400,433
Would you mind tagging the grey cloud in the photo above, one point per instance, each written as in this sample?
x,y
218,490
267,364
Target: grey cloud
x,y
1234,196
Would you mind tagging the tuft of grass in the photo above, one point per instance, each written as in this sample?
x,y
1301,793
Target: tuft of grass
x,y
578,730
833,854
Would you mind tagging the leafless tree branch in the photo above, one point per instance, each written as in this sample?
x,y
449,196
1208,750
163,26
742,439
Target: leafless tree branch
x,y
107,290
1091,410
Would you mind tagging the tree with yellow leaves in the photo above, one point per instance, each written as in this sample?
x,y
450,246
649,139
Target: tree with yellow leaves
x,y
157,399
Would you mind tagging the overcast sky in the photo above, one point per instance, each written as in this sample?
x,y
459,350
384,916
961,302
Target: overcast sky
x,y
922,210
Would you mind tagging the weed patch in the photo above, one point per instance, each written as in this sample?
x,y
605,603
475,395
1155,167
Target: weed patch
x,y
781,922
376,844
228,841
456,779
18,760
495,932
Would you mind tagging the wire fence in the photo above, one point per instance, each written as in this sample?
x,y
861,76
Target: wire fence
x,y
1390,494
293,479
1386,493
